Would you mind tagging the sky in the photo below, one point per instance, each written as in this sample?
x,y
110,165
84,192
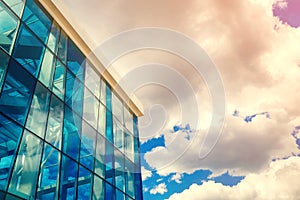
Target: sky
x,y
254,45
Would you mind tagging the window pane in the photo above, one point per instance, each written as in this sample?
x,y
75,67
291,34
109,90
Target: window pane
x,y
71,136
4,58
102,119
120,195
109,192
47,186
118,135
36,20
117,107
8,27
99,188
17,92
90,108
129,173
92,80
62,47
84,184
103,92
88,145
53,37
15,5
129,145
109,173
74,93
128,120
59,80
37,117
55,122
76,60
47,69
100,156
25,175
68,178
10,134
28,51
119,170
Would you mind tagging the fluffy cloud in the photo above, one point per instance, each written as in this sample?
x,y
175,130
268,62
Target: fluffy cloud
x,y
145,173
159,189
177,178
279,181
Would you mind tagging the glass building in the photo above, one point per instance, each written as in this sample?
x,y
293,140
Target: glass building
x,y
64,132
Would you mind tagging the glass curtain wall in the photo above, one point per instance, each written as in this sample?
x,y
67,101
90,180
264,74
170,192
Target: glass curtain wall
x,y
64,134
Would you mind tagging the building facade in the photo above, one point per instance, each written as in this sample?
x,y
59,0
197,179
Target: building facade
x,y
65,133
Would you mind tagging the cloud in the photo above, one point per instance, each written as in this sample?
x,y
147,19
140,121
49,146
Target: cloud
x,y
159,189
177,178
145,173
279,181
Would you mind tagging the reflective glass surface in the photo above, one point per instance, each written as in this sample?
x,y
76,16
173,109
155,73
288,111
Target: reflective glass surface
x,y
75,60
4,58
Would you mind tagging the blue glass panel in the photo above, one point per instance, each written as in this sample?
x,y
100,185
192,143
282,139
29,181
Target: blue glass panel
x,y
47,69
15,5
119,170
120,195
10,134
62,47
100,156
4,58
28,50
25,174
108,98
74,93
17,92
59,80
128,138
129,176
138,183
37,20
84,184
88,146
68,178
76,60
71,136
90,108
55,122
37,117
98,189
109,171
47,186
109,192
8,27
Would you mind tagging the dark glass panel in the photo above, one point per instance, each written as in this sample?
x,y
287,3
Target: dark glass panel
x,y
74,93
28,51
84,184
25,174
17,92
100,156
71,136
109,192
10,135
98,189
37,117
120,195
8,27
55,122
68,178
37,20
75,60
49,173
4,58
88,145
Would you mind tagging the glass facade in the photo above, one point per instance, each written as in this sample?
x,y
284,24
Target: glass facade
x,y
64,134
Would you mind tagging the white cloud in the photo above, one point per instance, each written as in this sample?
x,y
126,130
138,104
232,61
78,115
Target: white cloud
x,y
279,181
177,178
145,173
160,189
